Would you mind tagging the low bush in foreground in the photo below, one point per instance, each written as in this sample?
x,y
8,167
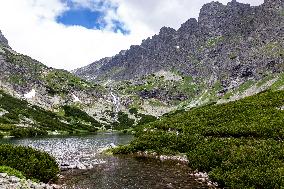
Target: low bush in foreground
x,y
32,163
240,144
11,172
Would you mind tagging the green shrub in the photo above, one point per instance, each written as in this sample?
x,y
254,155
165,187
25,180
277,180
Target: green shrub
x,y
240,144
27,132
74,112
146,119
133,111
11,172
32,163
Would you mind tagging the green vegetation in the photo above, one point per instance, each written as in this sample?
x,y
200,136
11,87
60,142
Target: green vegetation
x,y
279,83
123,122
31,163
214,41
133,111
246,85
233,56
178,90
61,81
11,172
156,103
56,81
273,49
38,121
27,132
30,69
80,116
144,119
24,61
240,144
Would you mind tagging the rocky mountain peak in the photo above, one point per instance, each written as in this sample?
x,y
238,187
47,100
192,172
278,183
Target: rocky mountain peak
x,y
167,31
189,26
3,40
237,5
228,44
216,19
278,4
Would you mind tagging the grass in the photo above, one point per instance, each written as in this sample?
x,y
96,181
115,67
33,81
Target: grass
x,y
240,144
56,81
279,83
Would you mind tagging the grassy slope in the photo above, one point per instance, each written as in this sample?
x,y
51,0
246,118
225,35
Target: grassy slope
x,y
239,143
39,120
26,71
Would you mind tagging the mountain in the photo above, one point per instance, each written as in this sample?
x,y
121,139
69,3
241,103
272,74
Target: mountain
x,y
74,103
217,47
229,46
51,89
230,52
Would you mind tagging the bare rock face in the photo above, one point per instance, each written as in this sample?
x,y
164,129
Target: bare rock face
x,y
3,40
228,43
278,4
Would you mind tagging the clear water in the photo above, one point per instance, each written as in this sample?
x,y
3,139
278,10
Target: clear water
x,y
110,172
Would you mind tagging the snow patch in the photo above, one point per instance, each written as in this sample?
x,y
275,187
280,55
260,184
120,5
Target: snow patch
x,y
30,94
281,108
3,112
75,98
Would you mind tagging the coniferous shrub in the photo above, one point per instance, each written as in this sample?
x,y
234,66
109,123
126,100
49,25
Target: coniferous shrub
x,y
32,163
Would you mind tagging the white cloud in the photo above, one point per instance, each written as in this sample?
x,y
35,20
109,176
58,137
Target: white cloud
x,y
31,27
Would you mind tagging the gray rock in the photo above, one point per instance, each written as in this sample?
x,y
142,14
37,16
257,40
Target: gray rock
x,y
14,179
81,166
3,40
56,186
3,175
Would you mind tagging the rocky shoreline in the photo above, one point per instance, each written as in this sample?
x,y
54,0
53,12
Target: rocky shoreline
x,y
13,182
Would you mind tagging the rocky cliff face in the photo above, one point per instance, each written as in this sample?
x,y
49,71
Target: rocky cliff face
x,y
3,40
229,44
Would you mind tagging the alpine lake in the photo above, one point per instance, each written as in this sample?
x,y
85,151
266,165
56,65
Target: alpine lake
x,y
102,171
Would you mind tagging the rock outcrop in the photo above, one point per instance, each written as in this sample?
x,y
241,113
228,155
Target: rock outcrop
x,y
3,40
229,44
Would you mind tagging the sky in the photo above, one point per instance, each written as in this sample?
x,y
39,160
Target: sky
x,y
68,34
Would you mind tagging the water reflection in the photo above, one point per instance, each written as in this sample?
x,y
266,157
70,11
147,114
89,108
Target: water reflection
x,y
110,172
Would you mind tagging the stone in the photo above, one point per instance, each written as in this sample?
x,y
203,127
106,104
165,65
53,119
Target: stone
x,y
56,186
3,175
81,166
3,40
14,179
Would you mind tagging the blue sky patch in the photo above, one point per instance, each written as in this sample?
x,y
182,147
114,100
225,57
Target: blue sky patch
x,y
82,17
88,18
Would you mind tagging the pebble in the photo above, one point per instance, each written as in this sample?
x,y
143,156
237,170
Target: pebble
x,y
13,182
